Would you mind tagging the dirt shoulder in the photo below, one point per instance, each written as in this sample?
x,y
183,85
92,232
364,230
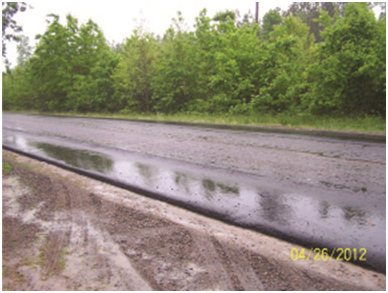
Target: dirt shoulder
x,y
63,231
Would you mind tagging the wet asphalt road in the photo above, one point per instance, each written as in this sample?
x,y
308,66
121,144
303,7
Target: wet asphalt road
x,y
312,190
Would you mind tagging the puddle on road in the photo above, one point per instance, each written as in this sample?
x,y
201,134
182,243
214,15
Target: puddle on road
x,y
82,159
290,213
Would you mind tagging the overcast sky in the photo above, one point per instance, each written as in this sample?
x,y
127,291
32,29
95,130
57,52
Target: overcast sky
x,y
117,19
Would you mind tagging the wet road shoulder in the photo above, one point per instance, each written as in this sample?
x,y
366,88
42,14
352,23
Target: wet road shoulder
x,y
297,213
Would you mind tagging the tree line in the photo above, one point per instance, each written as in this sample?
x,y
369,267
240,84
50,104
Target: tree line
x,y
316,58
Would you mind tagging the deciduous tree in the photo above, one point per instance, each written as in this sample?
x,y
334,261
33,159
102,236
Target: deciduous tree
x,y
9,10
351,72
133,75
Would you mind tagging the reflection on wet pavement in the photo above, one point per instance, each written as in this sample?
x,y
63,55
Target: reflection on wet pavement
x,y
274,208
78,158
305,215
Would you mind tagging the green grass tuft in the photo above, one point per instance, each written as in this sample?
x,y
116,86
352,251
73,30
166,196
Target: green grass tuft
x,y
6,169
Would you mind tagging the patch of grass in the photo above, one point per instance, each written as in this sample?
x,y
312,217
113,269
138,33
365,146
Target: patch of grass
x,y
368,124
27,262
6,168
13,277
52,261
10,163
62,261
41,258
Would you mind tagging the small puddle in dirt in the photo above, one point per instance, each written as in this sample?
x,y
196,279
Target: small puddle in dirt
x,y
301,214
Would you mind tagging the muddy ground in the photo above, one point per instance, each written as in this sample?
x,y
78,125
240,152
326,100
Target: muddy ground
x,y
63,231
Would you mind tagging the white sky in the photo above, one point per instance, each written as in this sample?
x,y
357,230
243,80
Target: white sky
x,y
117,18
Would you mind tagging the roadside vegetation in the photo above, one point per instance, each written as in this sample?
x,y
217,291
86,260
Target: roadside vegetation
x,y
6,168
316,65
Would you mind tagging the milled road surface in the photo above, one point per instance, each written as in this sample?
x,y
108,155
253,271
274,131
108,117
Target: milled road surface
x,y
324,162
302,188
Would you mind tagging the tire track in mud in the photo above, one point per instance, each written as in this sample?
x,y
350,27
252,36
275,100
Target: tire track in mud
x,y
210,256
70,252
239,268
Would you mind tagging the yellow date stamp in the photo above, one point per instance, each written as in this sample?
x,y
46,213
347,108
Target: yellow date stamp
x,y
324,254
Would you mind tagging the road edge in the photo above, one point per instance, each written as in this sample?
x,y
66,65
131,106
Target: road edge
x,y
277,250
364,136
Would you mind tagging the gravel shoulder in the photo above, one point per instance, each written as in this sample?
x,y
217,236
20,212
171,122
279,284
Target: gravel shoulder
x,y
63,231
